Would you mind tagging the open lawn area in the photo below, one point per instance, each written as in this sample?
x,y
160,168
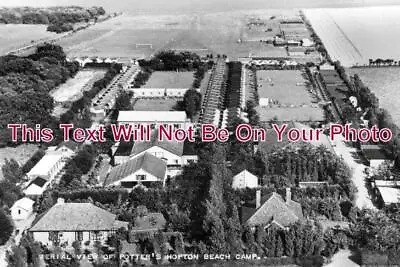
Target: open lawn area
x,y
301,114
13,36
170,79
286,87
154,104
73,88
20,153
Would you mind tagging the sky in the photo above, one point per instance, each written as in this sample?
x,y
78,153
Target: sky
x,y
176,6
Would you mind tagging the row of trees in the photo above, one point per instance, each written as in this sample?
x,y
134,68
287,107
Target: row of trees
x,y
51,15
172,61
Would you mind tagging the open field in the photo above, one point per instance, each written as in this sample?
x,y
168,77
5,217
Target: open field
x,y
154,104
74,87
20,153
286,87
170,79
143,35
355,35
301,114
384,83
13,36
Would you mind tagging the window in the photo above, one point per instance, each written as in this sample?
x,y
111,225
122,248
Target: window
x,y
79,236
54,236
140,177
176,126
95,235
159,154
176,161
19,211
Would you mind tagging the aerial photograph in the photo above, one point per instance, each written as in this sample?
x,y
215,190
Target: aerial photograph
x,y
199,133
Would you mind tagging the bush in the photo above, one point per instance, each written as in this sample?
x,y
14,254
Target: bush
x,y
6,227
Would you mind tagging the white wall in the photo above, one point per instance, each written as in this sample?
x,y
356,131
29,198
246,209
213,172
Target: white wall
x,y
18,213
68,237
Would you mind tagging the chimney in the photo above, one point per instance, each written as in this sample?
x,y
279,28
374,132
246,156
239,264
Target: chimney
x,y
258,198
288,195
60,200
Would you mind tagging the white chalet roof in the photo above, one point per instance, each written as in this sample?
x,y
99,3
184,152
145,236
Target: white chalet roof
x,y
44,166
152,116
245,179
23,203
389,194
34,190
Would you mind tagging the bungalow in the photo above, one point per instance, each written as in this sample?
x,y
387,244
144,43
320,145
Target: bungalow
x,y
376,155
245,179
22,209
144,169
65,223
154,118
273,211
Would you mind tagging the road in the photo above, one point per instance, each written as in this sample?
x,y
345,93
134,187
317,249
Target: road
x,y
349,153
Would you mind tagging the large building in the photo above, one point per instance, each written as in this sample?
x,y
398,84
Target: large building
x,y
144,170
245,179
154,118
65,223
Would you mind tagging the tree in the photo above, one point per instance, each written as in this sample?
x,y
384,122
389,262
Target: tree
x,y
12,171
192,102
6,227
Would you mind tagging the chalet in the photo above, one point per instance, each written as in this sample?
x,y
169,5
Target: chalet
x,y
144,169
65,223
274,210
313,184
44,172
376,155
22,209
245,179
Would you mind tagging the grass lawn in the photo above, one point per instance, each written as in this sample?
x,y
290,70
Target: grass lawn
x,y
73,87
170,79
13,36
288,87
302,114
154,104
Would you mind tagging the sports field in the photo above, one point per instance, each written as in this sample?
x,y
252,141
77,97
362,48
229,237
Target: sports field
x,y
154,104
170,79
287,88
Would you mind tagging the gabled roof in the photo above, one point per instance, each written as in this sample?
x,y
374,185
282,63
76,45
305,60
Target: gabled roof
x,y
75,217
149,222
69,144
274,209
174,147
147,162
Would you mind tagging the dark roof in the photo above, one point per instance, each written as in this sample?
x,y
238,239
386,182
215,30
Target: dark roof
x,y
149,222
189,148
372,152
274,210
70,144
39,181
124,148
171,146
75,217
147,162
